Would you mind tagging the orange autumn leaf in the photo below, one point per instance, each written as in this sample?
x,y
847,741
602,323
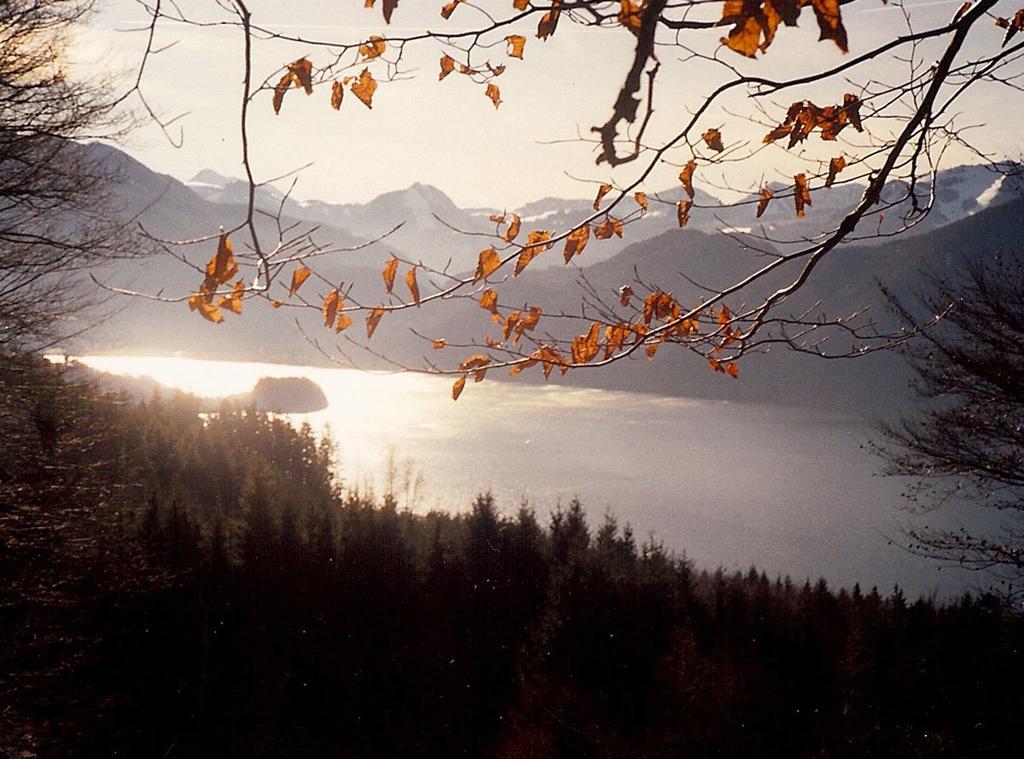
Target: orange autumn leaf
x,y
337,93
279,91
713,139
299,276
299,73
753,18
513,228
745,36
803,117
576,242
778,133
830,22
388,8
631,15
614,337
474,362
652,347
438,344
521,366
831,121
302,74
233,302
373,48
801,195
762,203
528,322
550,358
607,228
727,367
489,301
372,320
688,327
497,218
603,190
332,303
449,8
390,269
516,43
344,322
273,304
198,299
221,267
1017,26
686,177
487,264
549,22
683,212
414,288
641,200
510,323
479,374
586,347
536,243
836,165
457,388
520,5
539,237
447,66
659,305
1011,27
851,107
494,93
525,257
207,310
625,294
364,86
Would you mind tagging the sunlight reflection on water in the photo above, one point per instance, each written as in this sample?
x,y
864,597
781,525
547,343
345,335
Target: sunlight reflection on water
x,y
732,484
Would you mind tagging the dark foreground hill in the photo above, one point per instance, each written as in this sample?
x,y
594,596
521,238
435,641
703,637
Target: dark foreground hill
x,y
181,586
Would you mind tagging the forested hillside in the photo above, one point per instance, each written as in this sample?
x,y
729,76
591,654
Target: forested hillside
x,y
179,585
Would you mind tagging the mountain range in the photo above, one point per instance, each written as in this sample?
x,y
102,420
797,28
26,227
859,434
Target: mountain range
x,y
433,228
975,211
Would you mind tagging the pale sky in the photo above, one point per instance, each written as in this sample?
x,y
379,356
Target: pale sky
x,y
448,133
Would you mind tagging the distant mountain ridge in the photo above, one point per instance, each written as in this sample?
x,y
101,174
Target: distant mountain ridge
x,y
979,215
432,224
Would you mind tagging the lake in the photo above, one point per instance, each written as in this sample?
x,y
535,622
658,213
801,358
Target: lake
x,y
792,491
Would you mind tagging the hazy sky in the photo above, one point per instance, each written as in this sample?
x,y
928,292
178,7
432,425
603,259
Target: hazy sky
x,y
448,133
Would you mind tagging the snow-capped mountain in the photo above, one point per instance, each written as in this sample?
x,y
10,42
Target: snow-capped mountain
x,y
217,188
429,225
971,216
423,224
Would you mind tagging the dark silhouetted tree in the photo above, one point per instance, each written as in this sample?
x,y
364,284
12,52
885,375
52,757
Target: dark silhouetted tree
x,y
965,442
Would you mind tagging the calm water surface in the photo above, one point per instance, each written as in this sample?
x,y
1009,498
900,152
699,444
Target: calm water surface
x,y
790,491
